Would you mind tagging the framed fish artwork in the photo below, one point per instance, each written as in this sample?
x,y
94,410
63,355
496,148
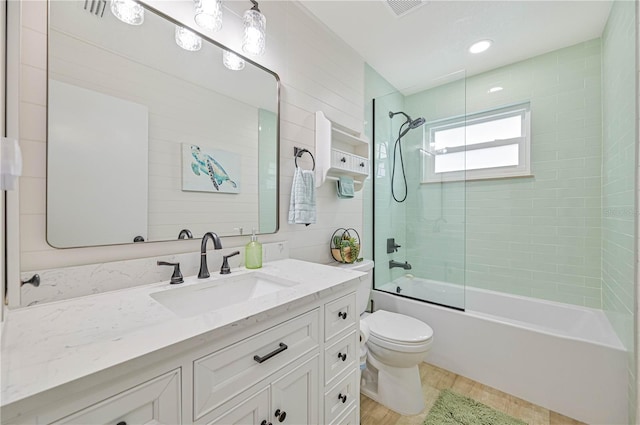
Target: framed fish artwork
x,y
209,170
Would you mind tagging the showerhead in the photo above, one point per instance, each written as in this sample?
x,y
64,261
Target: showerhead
x,y
417,122
409,124
412,124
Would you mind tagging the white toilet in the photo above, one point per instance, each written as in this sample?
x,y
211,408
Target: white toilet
x,y
397,344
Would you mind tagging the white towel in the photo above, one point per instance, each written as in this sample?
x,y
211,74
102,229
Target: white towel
x,y
302,207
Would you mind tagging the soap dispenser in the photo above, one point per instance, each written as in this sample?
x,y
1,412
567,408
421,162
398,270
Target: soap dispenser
x,y
253,253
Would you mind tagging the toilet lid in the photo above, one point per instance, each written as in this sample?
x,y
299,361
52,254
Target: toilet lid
x,y
398,327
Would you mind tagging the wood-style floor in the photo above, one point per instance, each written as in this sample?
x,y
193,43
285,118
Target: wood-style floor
x,y
435,379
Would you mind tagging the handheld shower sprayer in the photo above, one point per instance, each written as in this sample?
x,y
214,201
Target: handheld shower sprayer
x,y
410,125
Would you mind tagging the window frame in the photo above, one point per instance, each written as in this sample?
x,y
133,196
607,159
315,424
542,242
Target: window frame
x,y
522,169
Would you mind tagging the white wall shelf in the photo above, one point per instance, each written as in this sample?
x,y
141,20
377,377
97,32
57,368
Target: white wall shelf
x,y
340,152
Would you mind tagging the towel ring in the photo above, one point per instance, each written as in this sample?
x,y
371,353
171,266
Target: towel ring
x,y
299,152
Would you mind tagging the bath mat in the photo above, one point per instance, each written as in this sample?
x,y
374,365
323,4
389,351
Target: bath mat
x,y
453,409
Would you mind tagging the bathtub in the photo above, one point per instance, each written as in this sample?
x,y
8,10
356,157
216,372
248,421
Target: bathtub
x,y
559,356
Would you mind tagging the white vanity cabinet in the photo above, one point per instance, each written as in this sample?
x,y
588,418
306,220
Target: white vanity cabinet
x,y
292,398
269,359
341,361
295,364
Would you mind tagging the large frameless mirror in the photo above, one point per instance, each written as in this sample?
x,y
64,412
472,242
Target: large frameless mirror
x,y
148,141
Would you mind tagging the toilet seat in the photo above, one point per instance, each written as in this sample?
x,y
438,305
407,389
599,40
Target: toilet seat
x,y
398,332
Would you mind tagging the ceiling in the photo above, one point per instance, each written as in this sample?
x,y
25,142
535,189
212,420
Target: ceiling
x,y
425,47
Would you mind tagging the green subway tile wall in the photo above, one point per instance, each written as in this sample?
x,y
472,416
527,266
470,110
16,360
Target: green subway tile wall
x,y
536,236
618,177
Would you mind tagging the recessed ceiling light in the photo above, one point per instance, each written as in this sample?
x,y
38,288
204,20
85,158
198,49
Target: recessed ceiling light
x,y
480,46
495,89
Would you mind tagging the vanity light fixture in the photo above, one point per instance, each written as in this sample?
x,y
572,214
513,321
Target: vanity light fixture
x,y
187,39
128,11
480,46
232,61
255,27
495,89
209,14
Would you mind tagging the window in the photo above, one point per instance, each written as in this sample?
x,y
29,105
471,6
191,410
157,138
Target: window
x,y
486,145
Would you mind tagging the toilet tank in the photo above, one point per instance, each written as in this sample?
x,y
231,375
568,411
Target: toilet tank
x,y
364,290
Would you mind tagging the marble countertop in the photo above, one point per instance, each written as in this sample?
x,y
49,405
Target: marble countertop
x,y
48,345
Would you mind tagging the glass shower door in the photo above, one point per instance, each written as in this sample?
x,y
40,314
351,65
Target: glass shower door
x,y
419,225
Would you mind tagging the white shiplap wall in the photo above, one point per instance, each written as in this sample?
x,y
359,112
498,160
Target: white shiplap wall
x,y
318,72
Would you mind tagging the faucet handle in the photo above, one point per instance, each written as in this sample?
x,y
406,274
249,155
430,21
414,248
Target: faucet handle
x,y
225,269
392,246
176,277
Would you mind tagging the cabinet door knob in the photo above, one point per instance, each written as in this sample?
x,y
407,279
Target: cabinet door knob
x,y
342,398
122,423
343,159
342,315
362,164
264,422
280,415
343,357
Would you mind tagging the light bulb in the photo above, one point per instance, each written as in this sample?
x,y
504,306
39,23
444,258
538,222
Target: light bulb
x,y
128,11
187,39
209,14
255,25
232,61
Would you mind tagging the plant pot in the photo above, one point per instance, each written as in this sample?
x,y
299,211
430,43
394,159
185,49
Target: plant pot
x,y
345,257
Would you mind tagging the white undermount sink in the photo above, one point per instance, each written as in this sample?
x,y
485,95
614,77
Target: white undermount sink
x,y
219,293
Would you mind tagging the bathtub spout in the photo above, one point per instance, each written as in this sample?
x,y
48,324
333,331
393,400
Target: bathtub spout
x,y
404,265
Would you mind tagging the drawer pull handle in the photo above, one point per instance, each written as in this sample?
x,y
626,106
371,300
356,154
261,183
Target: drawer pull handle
x,y
343,159
280,415
342,398
279,350
343,357
264,422
362,164
342,315
121,423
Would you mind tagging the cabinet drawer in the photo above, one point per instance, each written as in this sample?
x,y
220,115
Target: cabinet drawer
x,y
340,356
339,315
225,373
156,401
341,159
341,398
360,165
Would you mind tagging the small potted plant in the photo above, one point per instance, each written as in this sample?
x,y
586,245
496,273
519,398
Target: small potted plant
x,y
345,245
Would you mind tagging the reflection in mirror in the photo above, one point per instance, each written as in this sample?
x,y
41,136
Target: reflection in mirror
x,y
146,139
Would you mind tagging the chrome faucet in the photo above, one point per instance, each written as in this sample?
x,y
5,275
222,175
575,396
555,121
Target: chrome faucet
x,y
404,265
204,270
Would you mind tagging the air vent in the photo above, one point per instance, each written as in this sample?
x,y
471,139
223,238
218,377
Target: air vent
x,y
95,7
402,7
